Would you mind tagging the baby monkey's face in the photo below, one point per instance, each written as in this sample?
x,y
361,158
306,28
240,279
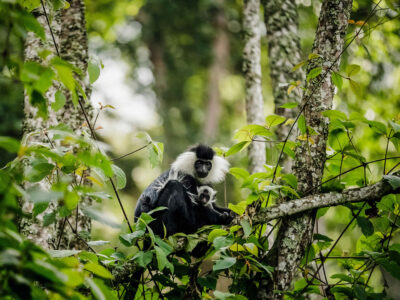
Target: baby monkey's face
x,y
205,195
204,198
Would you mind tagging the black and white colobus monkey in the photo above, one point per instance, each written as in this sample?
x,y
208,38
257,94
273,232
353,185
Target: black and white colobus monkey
x,y
177,189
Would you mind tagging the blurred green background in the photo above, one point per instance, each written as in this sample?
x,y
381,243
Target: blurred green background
x,y
159,56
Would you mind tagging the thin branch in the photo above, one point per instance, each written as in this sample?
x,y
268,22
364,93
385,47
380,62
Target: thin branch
x,y
79,237
386,151
134,151
333,246
61,233
51,30
370,193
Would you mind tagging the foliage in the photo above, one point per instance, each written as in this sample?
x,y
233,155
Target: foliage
x,y
164,265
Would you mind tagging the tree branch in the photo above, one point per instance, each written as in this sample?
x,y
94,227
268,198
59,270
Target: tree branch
x,y
370,193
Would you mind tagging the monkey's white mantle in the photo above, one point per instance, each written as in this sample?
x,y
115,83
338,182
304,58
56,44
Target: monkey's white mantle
x,y
370,193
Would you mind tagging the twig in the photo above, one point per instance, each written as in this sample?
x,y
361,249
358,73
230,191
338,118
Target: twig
x,y
386,151
134,151
79,237
334,245
51,30
61,233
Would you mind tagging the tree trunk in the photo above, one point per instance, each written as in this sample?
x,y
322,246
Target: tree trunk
x,y
220,50
295,233
68,28
284,52
252,74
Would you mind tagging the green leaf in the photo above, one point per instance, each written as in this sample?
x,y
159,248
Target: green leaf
x,y
366,226
46,270
342,277
37,100
355,87
321,237
215,233
274,120
208,282
334,114
395,247
222,241
392,267
99,290
313,56
99,217
224,263
59,102
31,24
395,126
239,173
29,5
302,124
376,126
290,180
238,208
98,270
299,65
167,248
120,176
360,293
289,105
161,258
10,144
71,200
246,228
39,208
352,70
237,147
143,258
337,80
128,238
49,218
88,256
38,171
314,73
94,72
156,153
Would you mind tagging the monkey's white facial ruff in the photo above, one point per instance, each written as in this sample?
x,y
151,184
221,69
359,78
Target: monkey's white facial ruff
x,y
211,171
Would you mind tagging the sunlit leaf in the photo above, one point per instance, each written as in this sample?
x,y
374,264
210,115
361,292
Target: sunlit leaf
x,y
98,270
94,71
274,120
314,73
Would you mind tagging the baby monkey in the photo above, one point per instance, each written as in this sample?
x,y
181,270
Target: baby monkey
x,y
206,196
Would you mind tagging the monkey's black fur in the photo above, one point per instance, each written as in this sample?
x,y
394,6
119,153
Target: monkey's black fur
x,y
176,189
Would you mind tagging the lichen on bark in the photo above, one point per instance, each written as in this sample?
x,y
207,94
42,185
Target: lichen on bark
x,y
252,75
295,232
68,28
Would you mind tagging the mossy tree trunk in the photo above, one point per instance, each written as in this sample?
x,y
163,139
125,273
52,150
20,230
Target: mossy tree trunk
x,y
252,74
69,32
295,233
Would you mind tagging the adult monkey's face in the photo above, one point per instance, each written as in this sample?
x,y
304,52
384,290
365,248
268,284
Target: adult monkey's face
x,y
202,167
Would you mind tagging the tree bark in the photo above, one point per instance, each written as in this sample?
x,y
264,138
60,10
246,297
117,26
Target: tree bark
x,y
68,27
220,50
284,52
295,232
252,74
370,193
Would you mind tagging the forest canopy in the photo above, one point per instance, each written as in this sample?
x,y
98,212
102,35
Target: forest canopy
x,y
98,98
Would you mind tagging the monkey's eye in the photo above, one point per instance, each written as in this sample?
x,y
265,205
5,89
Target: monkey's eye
x,y
208,164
